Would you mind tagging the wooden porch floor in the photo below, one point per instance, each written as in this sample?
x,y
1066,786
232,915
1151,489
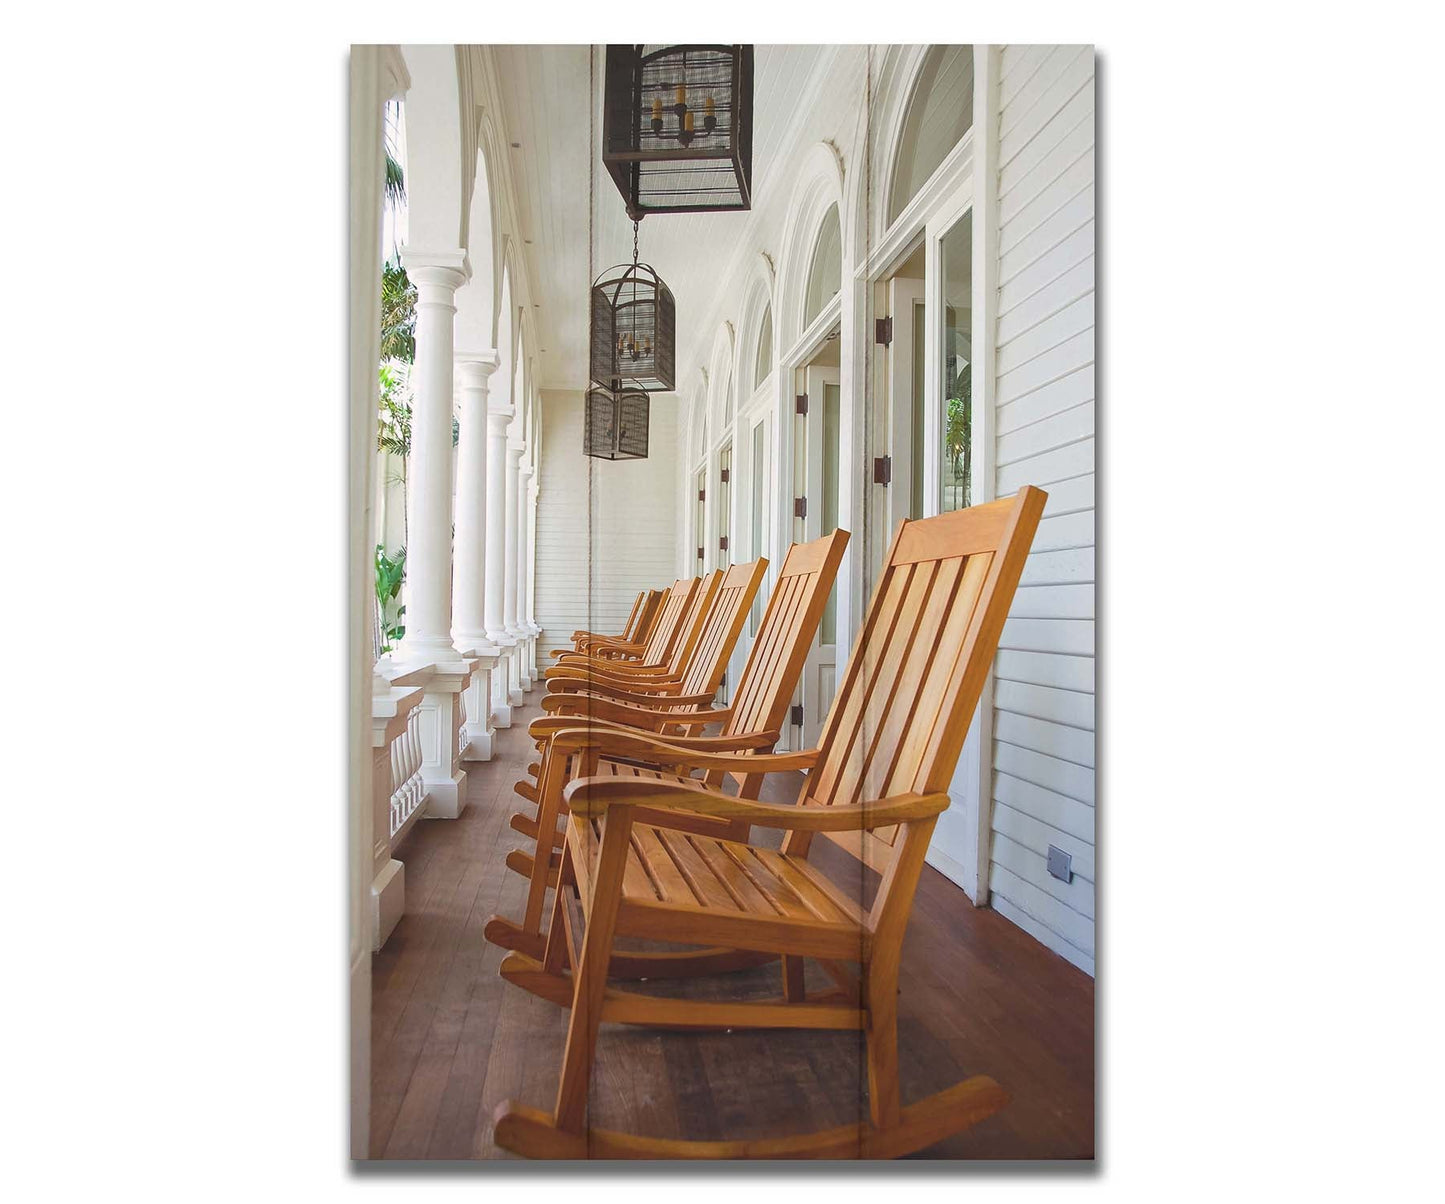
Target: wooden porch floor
x,y
450,1039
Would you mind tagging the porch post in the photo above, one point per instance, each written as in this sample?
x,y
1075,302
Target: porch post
x,y
509,591
499,417
426,655
524,556
469,622
533,491
437,277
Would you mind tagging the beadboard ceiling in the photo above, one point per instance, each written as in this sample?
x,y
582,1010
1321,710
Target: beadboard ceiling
x,y
544,95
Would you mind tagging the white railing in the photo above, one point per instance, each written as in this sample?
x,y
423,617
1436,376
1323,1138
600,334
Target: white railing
x,y
408,789
463,737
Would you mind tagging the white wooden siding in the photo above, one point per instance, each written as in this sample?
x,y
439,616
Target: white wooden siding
x,y
1043,723
633,524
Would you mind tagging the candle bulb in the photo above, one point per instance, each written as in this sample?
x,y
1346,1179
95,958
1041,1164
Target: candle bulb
x,y
682,94
709,107
687,121
656,109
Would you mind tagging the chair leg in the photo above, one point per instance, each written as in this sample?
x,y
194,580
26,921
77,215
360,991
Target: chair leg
x,y
592,970
557,950
882,1006
792,978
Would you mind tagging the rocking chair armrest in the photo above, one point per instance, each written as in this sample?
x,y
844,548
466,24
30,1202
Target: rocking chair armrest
x,y
545,728
593,660
584,707
601,690
591,797
697,752
562,678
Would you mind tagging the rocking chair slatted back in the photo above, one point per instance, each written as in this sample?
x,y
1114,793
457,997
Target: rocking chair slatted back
x,y
669,621
639,629
723,625
633,615
694,617
898,721
792,616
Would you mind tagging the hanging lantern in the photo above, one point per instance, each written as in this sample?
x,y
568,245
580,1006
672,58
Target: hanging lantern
x,y
634,327
616,424
677,127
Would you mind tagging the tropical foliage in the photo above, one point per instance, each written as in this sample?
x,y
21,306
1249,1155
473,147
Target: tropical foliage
x,y
393,419
390,572
958,435
398,314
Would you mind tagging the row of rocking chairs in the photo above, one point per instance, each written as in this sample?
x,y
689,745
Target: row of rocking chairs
x,y
642,824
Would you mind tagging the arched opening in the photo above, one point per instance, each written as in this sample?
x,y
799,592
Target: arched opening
x,y
940,112
825,272
763,363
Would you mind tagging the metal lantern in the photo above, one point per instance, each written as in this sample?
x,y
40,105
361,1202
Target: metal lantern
x,y
677,127
634,328
616,424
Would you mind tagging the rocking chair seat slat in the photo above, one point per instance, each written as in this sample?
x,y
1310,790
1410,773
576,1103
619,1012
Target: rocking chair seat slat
x,y
738,892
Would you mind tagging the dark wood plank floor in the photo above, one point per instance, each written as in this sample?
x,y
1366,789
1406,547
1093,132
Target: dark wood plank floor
x,y
450,1039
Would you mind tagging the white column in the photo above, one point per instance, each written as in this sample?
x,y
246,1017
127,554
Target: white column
x,y
499,417
469,619
509,588
524,557
427,656
428,588
532,494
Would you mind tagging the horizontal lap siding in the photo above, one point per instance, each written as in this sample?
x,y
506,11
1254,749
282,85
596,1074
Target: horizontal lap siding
x,y
634,523
1043,724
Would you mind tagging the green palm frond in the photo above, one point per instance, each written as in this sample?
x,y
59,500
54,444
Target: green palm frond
x,y
398,314
395,182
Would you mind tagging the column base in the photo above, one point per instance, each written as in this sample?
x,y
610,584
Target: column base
x,y
388,901
502,690
447,797
481,722
479,748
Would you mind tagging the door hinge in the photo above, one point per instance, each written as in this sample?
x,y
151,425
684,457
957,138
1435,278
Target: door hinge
x,y
699,553
883,331
882,470
702,495
722,543
800,507
796,714
802,403
725,475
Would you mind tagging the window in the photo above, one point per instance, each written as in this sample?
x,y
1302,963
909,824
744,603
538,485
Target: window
x,y
940,113
825,275
765,349
956,255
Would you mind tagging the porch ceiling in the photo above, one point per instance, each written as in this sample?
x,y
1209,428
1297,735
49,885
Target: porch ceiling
x,y
544,94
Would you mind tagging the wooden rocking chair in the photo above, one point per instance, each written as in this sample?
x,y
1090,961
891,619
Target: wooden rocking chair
x,y
693,683
688,690
635,630
753,721
658,645
875,785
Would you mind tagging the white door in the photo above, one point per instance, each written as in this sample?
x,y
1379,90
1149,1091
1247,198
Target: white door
x,y
948,484
816,481
901,433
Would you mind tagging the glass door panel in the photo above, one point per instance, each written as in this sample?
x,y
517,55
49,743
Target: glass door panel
x,y
955,260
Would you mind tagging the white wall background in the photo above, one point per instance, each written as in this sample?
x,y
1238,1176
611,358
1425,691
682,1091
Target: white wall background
x,y
1043,752
634,521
